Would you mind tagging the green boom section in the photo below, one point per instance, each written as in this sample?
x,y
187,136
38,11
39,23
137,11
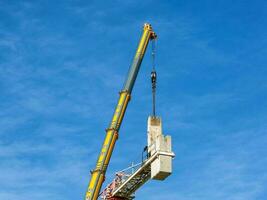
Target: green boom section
x,y
98,174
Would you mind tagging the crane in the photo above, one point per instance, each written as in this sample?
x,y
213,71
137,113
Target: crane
x,y
98,174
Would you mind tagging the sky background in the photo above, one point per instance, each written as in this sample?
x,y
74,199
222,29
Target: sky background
x,y
62,64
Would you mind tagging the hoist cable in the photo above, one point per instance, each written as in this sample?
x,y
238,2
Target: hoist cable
x,y
153,78
153,53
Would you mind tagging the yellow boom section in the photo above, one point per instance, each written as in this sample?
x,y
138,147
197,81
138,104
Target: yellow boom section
x,y
98,174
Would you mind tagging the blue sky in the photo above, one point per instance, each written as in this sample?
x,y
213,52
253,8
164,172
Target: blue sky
x,y
62,64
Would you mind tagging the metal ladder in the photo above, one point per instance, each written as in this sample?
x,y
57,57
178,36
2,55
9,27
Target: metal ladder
x,y
127,188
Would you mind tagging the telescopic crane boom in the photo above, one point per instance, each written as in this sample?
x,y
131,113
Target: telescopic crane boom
x,y
98,174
